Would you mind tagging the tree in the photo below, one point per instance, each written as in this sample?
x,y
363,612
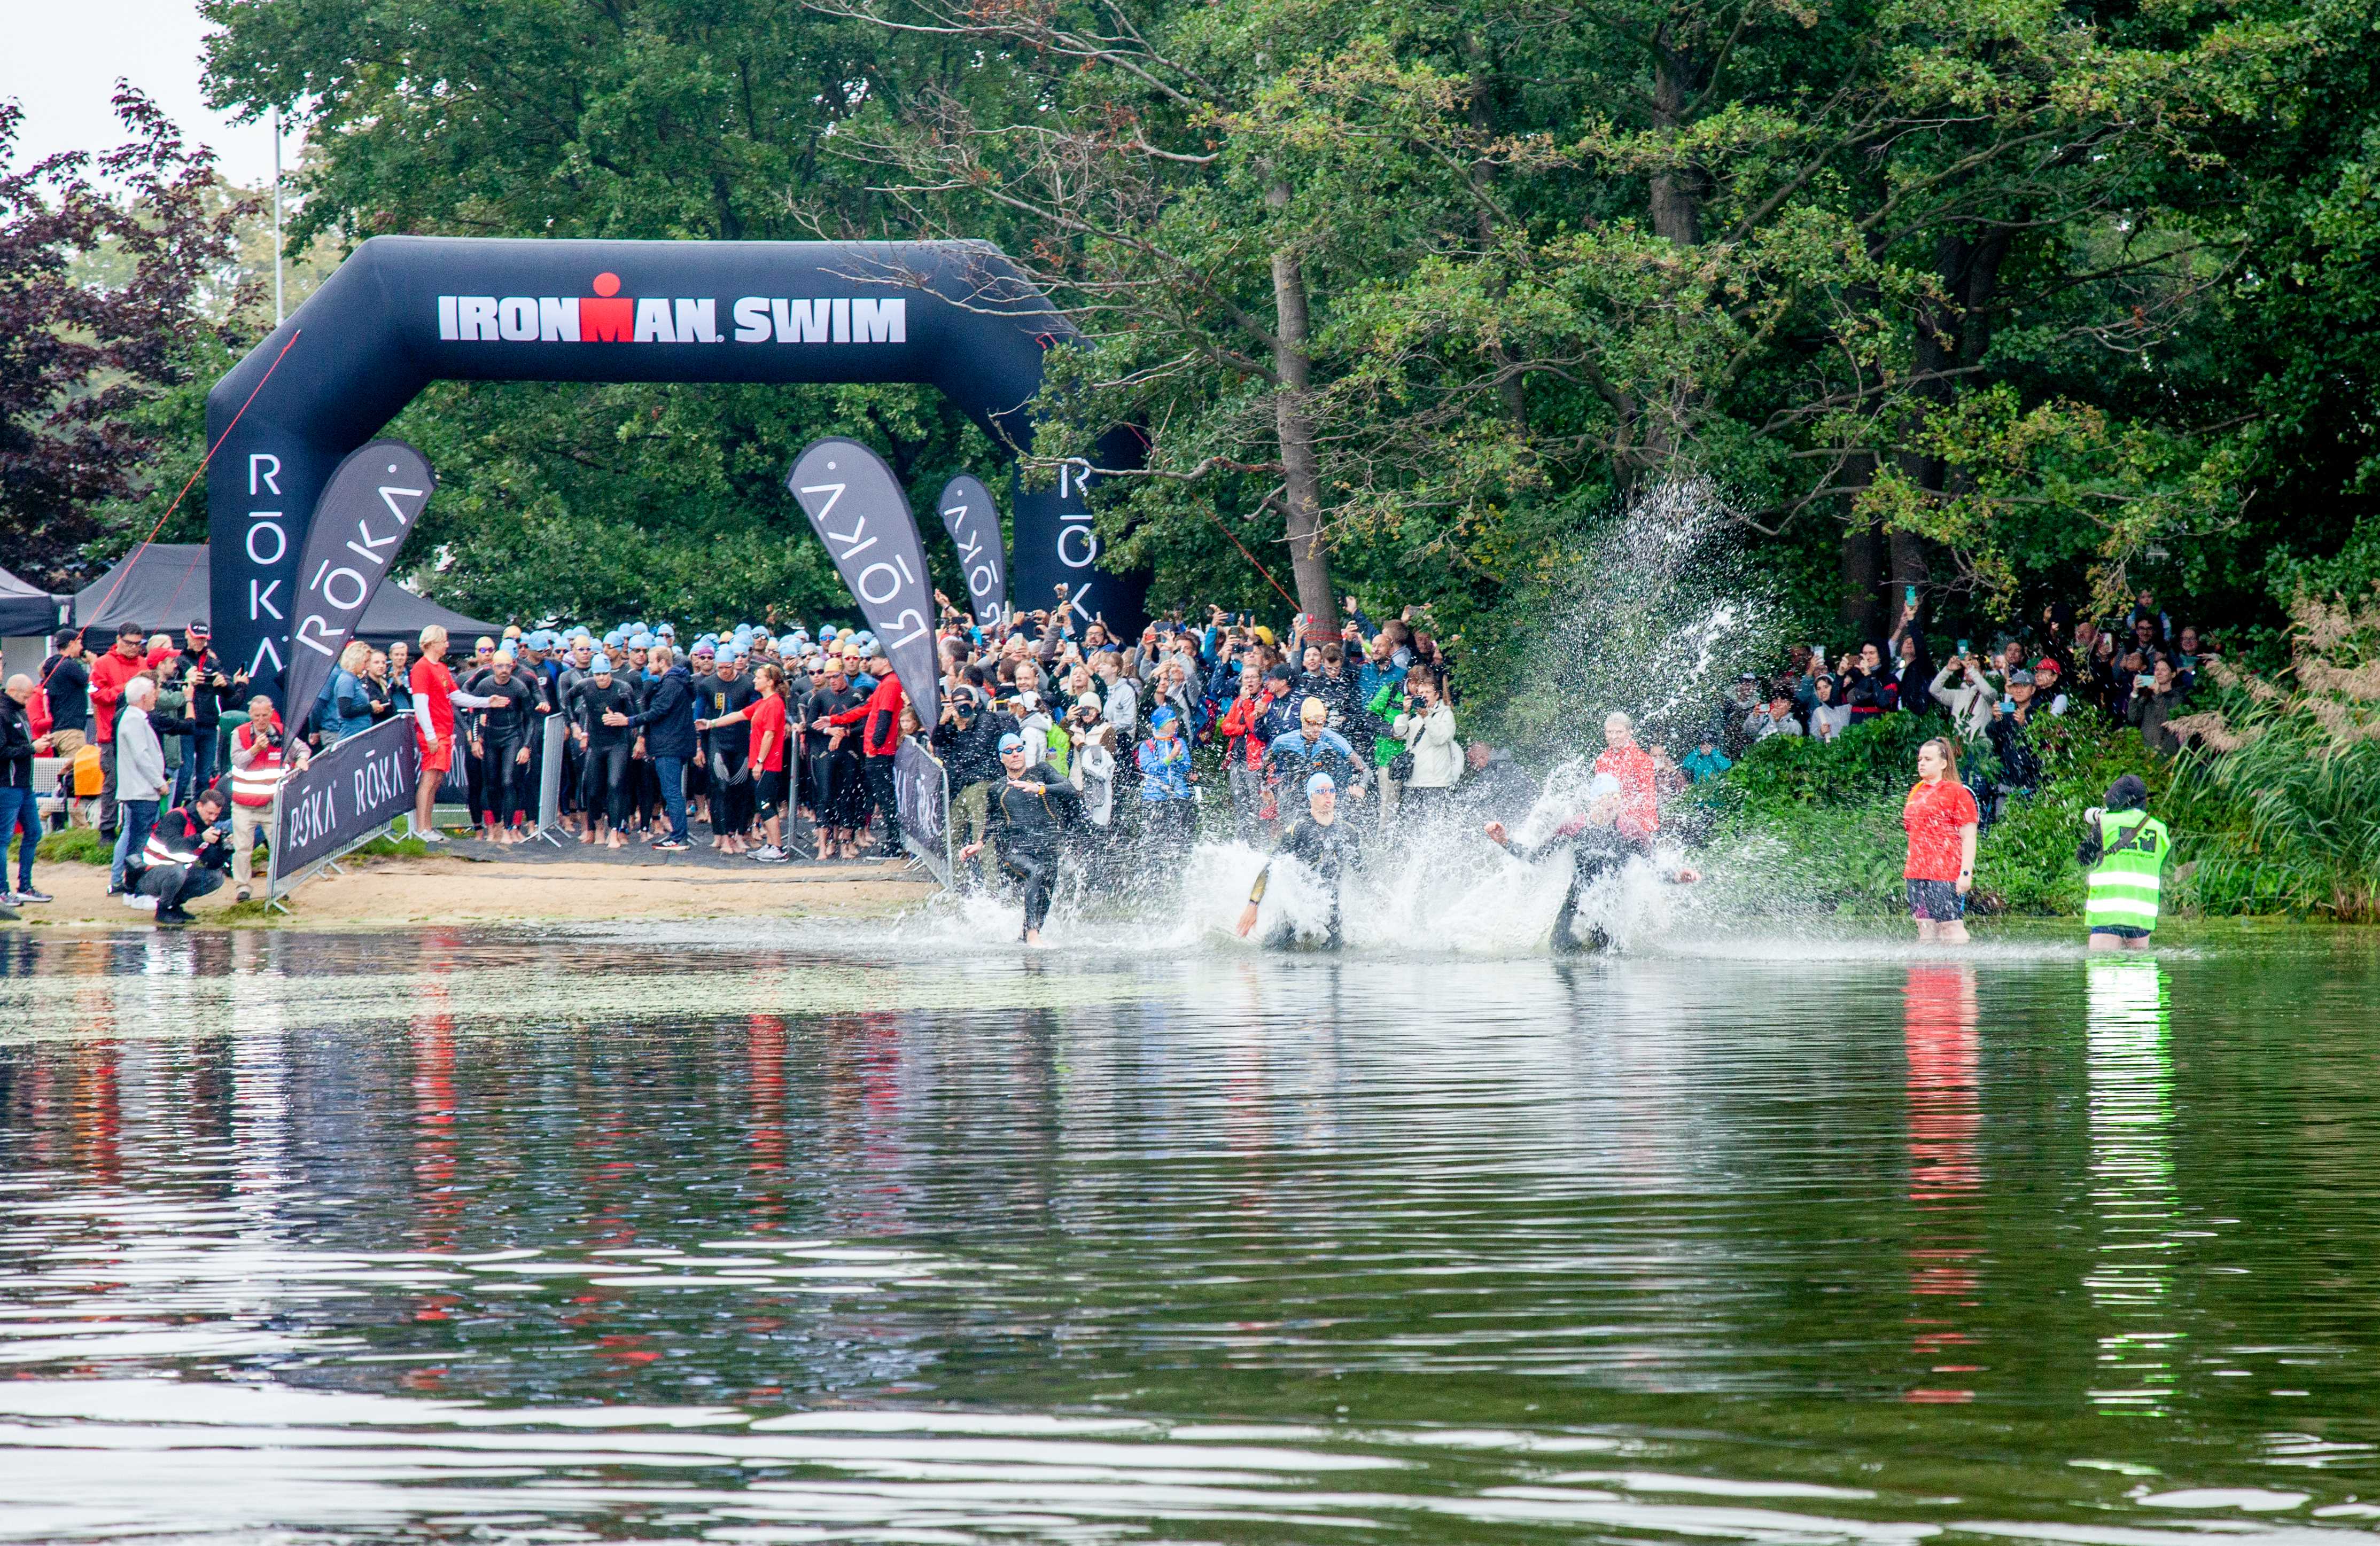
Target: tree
x,y
104,295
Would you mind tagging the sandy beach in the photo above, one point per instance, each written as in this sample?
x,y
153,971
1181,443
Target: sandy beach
x,y
480,884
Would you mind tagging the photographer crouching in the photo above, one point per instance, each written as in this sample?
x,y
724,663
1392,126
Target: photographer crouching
x,y
186,856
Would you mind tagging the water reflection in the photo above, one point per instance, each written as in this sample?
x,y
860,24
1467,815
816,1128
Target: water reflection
x,y
1945,1174
871,1247
2130,1278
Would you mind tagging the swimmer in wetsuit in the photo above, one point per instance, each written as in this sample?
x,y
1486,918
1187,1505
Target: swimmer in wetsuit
x,y
1602,840
1323,844
1027,815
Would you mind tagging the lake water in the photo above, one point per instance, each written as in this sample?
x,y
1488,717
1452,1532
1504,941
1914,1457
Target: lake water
x,y
755,1235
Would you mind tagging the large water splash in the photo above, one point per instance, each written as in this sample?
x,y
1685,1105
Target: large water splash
x,y
1655,618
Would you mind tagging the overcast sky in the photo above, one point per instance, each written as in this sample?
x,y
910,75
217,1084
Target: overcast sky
x,y
61,65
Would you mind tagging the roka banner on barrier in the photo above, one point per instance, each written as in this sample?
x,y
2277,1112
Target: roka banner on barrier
x,y
344,797
973,522
856,507
921,803
367,509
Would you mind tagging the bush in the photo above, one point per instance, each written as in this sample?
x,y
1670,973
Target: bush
x,y
1821,821
2291,774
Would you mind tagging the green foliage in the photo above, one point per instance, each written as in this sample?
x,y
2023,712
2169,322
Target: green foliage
x,y
2032,299
1821,821
2294,774
76,845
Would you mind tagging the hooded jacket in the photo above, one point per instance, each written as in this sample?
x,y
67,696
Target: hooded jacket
x,y
668,720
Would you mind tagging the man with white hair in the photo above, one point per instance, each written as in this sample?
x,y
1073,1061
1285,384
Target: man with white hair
x,y
1634,768
19,747
139,780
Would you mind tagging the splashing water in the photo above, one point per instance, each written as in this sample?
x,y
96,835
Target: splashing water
x,y
1653,621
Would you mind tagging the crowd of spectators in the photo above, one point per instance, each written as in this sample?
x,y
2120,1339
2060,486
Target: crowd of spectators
x,y
2137,671
782,742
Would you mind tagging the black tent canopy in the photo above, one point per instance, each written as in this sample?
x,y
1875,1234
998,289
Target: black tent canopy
x,y
25,608
162,588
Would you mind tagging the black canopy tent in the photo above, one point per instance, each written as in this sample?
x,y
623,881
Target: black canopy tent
x,y
25,609
162,588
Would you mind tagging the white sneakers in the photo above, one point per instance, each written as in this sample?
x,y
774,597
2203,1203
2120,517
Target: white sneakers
x,y
140,903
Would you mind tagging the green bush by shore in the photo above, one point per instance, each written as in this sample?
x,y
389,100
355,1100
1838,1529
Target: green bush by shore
x,y
2283,821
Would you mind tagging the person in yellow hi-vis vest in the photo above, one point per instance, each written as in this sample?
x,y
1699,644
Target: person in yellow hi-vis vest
x,y
2125,853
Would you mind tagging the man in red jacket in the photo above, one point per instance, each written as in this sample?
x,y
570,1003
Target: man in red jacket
x,y
108,675
878,718
1635,769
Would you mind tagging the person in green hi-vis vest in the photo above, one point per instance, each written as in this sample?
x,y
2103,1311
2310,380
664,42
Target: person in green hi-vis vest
x,y
2125,853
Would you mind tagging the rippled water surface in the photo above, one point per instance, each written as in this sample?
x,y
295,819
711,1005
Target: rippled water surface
x,y
753,1236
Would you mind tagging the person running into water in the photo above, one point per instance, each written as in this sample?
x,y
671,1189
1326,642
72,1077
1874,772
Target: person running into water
x,y
1030,811
1941,819
1602,840
1322,844
2125,853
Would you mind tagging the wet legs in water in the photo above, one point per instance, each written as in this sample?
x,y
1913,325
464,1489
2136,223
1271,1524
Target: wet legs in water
x,y
1567,941
1038,874
1284,938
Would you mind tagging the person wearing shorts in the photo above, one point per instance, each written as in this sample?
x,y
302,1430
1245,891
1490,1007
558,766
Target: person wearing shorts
x,y
1941,819
762,720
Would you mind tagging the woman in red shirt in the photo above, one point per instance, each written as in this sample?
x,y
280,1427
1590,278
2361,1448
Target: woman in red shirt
x,y
766,715
1941,819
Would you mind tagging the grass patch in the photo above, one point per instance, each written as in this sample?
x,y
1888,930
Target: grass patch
x,y
76,845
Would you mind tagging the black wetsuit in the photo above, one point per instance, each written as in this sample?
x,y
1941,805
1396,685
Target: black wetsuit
x,y
837,797
1325,850
505,729
1595,851
609,778
1026,829
732,789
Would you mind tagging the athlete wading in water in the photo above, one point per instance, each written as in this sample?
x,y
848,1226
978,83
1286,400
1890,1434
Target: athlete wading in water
x,y
1027,816
1602,840
1323,845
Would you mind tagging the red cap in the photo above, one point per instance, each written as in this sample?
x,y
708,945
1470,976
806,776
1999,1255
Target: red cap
x,y
2047,664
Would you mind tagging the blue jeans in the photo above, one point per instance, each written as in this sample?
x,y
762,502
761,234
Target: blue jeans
x,y
17,811
198,769
672,771
135,819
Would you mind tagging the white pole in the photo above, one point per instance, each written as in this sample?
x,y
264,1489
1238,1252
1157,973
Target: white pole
x,y
277,310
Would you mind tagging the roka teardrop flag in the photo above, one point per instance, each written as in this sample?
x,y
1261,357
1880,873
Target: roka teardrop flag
x,y
973,522
856,507
362,520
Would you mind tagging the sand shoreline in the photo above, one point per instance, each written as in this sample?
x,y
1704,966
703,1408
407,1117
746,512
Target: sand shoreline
x,y
445,889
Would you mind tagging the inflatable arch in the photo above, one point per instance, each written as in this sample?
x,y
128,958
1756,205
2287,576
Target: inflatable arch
x,y
403,311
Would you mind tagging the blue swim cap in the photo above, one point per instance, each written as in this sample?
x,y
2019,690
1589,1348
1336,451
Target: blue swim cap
x,y
1011,741
643,641
601,665
665,630
1320,783
614,639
